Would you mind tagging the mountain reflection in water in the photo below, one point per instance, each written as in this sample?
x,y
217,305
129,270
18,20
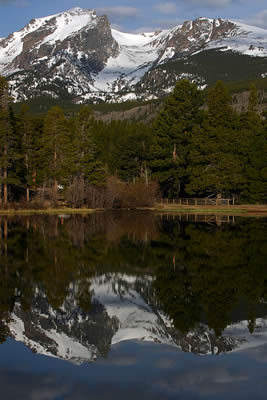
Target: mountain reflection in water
x,y
73,286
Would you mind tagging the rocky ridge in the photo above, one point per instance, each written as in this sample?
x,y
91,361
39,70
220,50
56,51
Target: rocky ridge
x,y
77,55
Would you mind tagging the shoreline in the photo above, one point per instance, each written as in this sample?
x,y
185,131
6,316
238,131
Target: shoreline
x,y
241,210
49,211
238,210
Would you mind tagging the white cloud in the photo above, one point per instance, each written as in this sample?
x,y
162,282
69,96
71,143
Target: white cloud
x,y
118,12
204,380
166,8
158,24
117,27
18,3
259,19
146,29
166,23
212,3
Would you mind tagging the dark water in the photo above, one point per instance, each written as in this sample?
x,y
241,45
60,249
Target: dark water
x,y
132,305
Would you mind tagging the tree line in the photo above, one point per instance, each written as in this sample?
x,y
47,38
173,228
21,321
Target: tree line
x,y
197,146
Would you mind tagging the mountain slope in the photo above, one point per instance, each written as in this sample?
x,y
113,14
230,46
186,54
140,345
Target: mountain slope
x,y
78,56
123,308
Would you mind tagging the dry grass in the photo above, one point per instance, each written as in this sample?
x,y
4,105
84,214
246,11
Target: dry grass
x,y
52,211
246,209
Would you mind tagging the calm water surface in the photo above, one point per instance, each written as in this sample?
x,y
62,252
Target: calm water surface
x,y
133,305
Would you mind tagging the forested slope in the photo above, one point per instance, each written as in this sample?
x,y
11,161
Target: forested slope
x,y
196,145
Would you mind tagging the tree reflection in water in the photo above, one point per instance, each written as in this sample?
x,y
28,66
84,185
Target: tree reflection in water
x,y
201,273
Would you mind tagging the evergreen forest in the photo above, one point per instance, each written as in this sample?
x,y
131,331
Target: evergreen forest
x,y
197,146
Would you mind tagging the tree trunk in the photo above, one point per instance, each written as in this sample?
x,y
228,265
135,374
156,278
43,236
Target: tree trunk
x,y
1,236
34,179
146,175
28,194
5,186
5,235
5,177
27,168
55,164
1,186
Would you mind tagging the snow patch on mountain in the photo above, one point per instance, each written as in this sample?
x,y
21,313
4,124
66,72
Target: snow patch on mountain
x,y
246,340
77,51
245,39
69,23
65,347
137,320
63,25
137,55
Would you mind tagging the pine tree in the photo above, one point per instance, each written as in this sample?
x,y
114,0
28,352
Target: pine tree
x,y
214,163
9,142
4,133
253,99
87,166
28,144
132,153
253,150
173,130
256,169
55,146
220,111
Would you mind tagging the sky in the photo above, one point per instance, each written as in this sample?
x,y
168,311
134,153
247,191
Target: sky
x,y
134,371
135,15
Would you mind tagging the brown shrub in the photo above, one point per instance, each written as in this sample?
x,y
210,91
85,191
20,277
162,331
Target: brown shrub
x,y
115,194
139,195
75,194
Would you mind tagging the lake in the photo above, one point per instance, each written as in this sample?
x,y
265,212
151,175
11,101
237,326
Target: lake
x,y
133,305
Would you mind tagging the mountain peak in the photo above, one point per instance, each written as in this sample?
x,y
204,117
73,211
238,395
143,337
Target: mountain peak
x,y
77,52
79,11
75,10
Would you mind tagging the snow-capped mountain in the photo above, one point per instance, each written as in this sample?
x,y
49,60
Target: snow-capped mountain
x,y
123,308
76,54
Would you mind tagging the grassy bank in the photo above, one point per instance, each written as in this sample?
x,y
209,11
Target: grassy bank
x,y
52,211
248,209
256,210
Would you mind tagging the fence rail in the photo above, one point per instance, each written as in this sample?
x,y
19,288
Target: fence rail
x,y
199,202
203,218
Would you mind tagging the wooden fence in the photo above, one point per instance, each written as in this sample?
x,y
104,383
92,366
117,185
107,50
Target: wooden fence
x,y
210,218
199,202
